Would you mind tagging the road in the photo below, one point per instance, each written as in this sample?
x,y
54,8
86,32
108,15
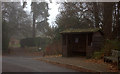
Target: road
x,y
28,64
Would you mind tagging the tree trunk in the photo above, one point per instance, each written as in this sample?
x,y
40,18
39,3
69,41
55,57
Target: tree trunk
x,y
34,33
96,15
119,20
107,19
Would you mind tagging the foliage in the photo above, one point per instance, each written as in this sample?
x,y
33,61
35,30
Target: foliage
x,y
27,42
90,15
15,45
31,42
5,37
87,15
98,55
111,45
74,15
15,22
40,13
106,50
77,15
54,48
18,21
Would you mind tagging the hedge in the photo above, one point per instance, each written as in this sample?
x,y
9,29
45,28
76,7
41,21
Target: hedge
x,y
31,42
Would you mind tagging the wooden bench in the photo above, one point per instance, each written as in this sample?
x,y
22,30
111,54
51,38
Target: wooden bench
x,y
114,56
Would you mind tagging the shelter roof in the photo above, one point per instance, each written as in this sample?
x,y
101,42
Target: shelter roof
x,y
90,30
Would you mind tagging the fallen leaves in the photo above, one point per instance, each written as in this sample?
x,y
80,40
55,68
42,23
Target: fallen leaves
x,y
112,66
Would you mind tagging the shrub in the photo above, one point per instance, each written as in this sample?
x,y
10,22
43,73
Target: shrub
x,y
37,42
54,48
98,55
111,45
29,42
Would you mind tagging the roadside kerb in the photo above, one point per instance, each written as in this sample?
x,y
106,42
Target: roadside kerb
x,y
70,66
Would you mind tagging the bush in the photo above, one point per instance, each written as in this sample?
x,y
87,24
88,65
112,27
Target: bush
x,y
111,45
98,55
31,42
106,50
54,48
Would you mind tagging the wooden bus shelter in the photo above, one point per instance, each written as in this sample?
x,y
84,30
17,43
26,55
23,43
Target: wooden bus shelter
x,y
81,42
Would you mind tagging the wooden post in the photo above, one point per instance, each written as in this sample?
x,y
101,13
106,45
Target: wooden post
x,y
86,45
67,46
118,60
62,45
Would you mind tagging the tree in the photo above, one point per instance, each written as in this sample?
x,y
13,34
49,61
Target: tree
x,y
89,15
14,20
75,15
119,20
108,10
96,15
40,13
